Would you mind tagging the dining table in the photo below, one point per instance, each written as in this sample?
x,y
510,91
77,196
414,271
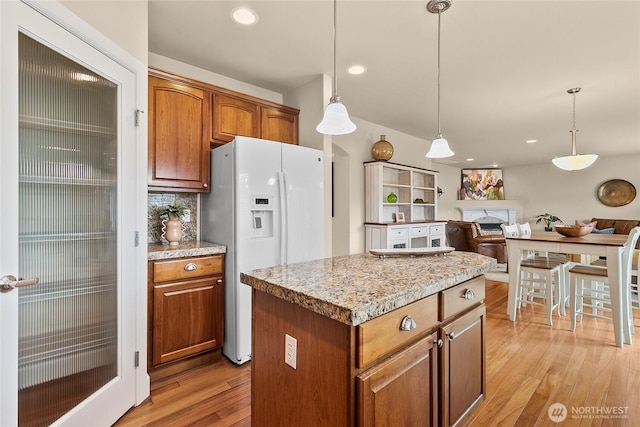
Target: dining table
x,y
610,246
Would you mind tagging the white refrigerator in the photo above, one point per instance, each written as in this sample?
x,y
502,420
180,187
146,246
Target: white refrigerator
x,y
266,206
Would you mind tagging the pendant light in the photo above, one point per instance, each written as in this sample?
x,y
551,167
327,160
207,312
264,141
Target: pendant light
x,y
336,119
575,161
439,147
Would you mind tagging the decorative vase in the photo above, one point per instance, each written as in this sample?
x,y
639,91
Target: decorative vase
x,y
392,198
382,150
172,230
548,229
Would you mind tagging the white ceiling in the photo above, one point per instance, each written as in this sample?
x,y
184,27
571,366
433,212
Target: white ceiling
x,y
505,66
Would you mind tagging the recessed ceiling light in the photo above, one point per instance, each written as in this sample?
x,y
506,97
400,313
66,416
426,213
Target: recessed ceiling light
x,y
495,165
531,141
471,159
356,69
244,16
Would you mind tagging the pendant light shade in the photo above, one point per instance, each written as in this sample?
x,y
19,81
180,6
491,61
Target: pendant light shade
x,y
336,119
439,147
575,161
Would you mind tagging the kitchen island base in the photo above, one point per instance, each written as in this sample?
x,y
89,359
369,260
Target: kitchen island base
x,y
434,376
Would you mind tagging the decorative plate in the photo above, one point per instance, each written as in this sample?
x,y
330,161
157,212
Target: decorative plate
x,y
411,252
616,192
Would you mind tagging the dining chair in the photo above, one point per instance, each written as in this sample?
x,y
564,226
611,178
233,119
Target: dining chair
x,y
590,288
542,279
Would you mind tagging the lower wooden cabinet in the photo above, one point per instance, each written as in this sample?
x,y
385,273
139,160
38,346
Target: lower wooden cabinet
x,y
462,366
185,307
401,390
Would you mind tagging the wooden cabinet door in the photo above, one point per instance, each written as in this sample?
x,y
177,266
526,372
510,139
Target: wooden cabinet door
x,y
462,366
187,318
234,117
178,137
401,390
279,126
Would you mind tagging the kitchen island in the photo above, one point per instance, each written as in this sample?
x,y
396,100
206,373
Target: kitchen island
x,y
393,341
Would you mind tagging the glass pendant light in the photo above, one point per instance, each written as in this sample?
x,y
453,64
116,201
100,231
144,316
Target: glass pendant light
x,y
439,147
575,161
336,119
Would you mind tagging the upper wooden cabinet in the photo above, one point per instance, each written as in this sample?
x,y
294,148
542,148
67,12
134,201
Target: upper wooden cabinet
x,y
178,136
242,115
278,125
234,117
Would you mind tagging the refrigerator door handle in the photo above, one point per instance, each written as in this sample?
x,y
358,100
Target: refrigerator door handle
x,y
283,220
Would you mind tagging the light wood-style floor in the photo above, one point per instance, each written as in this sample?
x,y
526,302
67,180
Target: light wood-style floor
x,y
530,366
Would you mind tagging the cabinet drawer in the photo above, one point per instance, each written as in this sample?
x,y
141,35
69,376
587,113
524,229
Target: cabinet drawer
x,y
436,229
453,300
382,335
186,268
398,232
419,231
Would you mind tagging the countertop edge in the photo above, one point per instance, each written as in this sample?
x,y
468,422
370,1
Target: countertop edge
x,y
364,312
157,252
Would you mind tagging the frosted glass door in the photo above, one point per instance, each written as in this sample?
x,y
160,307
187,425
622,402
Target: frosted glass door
x,y
67,233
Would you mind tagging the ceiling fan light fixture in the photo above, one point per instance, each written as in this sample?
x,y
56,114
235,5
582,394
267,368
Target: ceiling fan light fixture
x,y
439,147
336,119
575,161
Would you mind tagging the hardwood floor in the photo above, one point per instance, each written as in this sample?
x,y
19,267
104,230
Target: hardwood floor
x,y
530,366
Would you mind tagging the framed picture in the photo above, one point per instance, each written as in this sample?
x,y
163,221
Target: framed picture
x,y
399,216
482,184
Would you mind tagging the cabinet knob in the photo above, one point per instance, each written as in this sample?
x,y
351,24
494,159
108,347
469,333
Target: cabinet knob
x,y
219,281
205,185
468,294
190,267
438,342
407,323
451,336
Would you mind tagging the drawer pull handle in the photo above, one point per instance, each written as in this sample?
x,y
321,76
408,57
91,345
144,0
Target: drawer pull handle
x,y
407,323
451,336
190,267
219,281
468,294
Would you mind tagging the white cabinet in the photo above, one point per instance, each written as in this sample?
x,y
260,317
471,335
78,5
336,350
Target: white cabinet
x,y
391,236
392,189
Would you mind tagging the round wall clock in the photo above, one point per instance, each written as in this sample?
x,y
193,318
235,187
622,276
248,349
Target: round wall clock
x,y
616,192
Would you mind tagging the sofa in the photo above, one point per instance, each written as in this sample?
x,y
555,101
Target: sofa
x,y
466,236
620,226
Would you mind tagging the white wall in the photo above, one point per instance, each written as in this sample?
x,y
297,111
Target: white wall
x,y
195,73
356,149
571,195
449,182
124,22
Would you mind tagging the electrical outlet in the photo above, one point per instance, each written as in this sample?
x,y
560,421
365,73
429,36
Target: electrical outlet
x,y
290,350
187,215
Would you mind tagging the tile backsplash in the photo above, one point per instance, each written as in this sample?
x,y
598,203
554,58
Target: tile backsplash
x,y
157,202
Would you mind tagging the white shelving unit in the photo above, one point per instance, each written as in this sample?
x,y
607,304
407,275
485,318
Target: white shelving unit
x,y
415,192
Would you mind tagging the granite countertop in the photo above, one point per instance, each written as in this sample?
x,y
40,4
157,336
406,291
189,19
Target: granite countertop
x,y
355,288
158,251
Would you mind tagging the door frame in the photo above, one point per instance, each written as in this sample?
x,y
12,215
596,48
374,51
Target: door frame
x,y
63,17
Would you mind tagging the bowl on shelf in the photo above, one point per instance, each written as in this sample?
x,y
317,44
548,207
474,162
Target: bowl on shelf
x,y
574,230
